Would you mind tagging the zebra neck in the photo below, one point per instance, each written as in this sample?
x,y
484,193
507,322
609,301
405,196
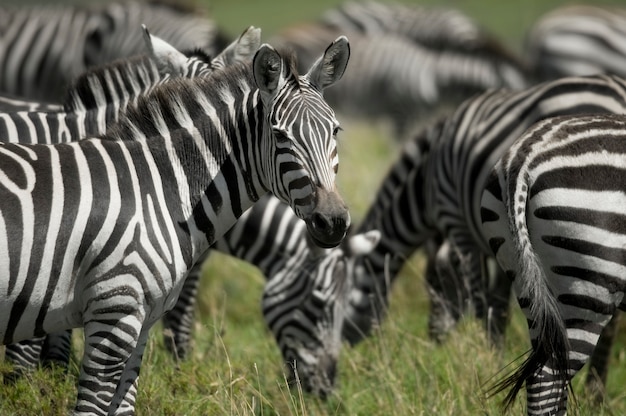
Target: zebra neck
x,y
401,209
201,140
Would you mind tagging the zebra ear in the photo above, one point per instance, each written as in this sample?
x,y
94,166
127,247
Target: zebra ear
x,y
268,68
169,60
362,244
329,68
241,49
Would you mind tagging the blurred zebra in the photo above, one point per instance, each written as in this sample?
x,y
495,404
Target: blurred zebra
x,y
169,179
578,40
44,47
401,81
553,212
95,102
303,309
433,27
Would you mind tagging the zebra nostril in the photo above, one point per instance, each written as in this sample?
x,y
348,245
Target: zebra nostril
x,y
320,223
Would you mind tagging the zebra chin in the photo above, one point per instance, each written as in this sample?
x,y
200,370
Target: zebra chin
x,y
329,221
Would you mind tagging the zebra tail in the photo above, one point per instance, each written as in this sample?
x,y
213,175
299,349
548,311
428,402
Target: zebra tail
x,y
551,342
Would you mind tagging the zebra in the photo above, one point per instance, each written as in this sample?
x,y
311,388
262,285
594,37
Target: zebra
x,y
45,47
170,178
578,40
396,79
95,102
434,27
553,207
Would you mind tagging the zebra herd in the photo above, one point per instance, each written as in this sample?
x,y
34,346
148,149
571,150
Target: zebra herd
x,y
113,196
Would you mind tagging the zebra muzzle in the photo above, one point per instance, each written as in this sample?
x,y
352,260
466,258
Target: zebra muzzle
x,y
328,223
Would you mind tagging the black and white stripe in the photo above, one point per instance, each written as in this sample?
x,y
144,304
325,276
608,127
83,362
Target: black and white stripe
x,y
578,40
554,211
45,47
434,27
96,101
121,222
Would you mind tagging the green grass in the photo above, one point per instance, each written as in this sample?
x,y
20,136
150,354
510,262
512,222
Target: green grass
x,y
236,367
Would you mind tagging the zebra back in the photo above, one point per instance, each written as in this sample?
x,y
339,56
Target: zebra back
x,y
578,40
432,27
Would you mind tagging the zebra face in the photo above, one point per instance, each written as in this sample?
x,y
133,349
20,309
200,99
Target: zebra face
x,y
302,163
304,307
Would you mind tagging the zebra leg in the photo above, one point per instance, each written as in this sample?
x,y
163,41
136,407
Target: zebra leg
x,y
599,361
498,300
178,323
109,345
24,356
57,349
123,403
445,290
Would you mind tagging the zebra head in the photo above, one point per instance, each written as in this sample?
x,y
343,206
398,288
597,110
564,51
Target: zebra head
x,y
304,307
300,148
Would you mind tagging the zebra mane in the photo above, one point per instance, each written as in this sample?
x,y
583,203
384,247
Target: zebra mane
x,y
181,92
81,89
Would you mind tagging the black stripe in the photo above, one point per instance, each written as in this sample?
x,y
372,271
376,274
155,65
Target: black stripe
x,y
609,221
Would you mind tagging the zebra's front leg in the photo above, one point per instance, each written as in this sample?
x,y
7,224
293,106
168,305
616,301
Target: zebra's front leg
x,y
109,345
123,402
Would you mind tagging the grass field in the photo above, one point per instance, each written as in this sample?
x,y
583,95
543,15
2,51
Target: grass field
x,y
236,369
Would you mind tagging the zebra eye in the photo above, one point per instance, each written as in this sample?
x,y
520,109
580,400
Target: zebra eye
x,y
336,130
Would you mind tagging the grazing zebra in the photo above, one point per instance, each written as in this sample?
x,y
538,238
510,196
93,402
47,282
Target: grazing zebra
x,y
554,207
95,102
301,302
121,219
578,40
45,47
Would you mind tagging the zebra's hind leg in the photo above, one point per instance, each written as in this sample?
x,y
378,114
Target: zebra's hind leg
x,y
24,356
547,394
599,361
